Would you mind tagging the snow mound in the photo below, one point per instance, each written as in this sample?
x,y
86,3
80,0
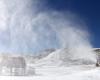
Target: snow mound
x,y
66,57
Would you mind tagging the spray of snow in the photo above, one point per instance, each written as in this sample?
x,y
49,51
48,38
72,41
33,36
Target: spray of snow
x,y
24,29
73,38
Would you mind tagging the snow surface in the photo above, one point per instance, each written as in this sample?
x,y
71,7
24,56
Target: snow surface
x,y
60,67
82,72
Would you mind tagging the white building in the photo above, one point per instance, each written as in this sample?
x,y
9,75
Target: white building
x,y
13,66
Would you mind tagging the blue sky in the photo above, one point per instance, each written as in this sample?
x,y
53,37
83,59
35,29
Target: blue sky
x,y
89,10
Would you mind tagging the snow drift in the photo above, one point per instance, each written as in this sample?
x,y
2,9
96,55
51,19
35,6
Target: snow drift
x,y
64,57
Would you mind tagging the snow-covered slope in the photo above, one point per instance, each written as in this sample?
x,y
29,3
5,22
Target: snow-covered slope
x,y
66,57
44,53
60,74
32,58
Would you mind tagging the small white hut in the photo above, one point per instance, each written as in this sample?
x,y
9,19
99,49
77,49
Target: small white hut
x,y
13,66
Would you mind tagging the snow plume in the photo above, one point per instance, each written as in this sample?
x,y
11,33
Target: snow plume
x,y
16,34
71,35
24,28
75,42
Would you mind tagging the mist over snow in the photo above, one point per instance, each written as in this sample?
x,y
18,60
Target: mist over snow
x,y
25,28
